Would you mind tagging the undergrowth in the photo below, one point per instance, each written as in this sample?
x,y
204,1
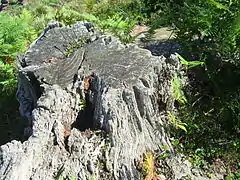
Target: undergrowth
x,y
209,32
16,33
210,115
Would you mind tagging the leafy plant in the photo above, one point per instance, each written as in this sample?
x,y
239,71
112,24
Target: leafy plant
x,y
208,27
75,45
15,34
82,104
230,176
163,156
198,158
8,80
189,64
73,177
67,16
90,5
176,122
128,9
178,93
116,24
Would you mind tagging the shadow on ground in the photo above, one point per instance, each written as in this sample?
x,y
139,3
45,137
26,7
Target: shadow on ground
x,y
165,48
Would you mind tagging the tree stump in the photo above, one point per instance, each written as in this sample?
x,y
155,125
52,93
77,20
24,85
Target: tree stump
x,y
94,106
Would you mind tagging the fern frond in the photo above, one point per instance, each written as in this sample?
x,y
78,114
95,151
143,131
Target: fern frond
x,y
176,122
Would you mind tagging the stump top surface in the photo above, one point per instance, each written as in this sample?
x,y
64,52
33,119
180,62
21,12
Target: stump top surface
x,y
49,60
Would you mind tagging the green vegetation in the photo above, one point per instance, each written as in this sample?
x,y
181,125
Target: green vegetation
x,y
208,118
189,64
204,26
15,35
82,104
73,177
178,93
209,32
177,123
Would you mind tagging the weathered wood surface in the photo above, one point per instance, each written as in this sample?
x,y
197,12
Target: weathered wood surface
x,y
127,92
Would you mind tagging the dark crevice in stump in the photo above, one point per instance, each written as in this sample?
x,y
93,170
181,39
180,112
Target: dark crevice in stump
x,y
66,144
35,84
84,119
